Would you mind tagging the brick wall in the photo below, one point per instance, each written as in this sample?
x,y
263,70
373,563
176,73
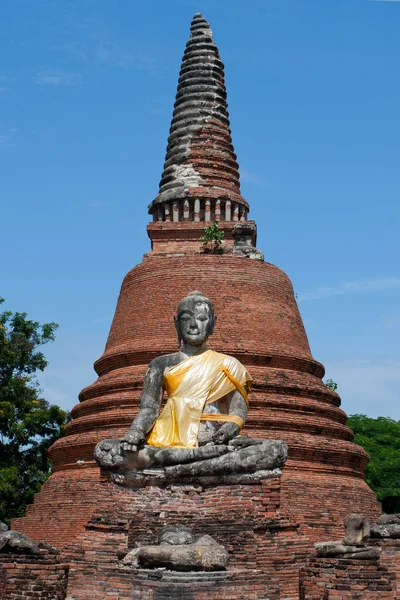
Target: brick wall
x,y
62,508
26,577
341,579
271,555
266,549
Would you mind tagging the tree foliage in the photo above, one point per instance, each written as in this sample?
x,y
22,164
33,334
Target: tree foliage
x,y
212,238
28,424
381,439
332,385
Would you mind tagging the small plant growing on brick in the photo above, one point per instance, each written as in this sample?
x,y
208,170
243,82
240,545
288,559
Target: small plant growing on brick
x,y
332,385
212,239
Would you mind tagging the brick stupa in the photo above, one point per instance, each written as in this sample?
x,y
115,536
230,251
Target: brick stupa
x,y
258,322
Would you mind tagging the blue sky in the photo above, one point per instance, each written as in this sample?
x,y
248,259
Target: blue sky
x,y
86,95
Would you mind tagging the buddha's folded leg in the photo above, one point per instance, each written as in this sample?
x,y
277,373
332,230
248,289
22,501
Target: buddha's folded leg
x,y
270,454
173,456
109,454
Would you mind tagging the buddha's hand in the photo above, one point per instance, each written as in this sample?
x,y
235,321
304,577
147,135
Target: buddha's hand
x,y
132,439
225,433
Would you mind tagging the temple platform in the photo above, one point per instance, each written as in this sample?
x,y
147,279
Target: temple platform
x,y
270,555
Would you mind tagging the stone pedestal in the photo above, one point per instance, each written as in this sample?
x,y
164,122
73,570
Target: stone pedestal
x,y
269,554
347,579
265,548
27,577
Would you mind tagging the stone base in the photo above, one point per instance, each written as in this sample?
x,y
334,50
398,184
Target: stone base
x,y
265,549
93,577
319,502
26,577
120,584
352,579
269,553
347,579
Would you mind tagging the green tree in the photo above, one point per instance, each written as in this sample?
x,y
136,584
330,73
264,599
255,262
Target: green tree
x,y
381,439
332,385
28,424
212,238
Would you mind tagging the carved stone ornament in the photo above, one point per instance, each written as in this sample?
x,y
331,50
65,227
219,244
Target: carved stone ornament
x,y
243,235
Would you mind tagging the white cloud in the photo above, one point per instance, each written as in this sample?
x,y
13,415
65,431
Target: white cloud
x,y
156,111
6,79
351,287
102,320
116,56
390,321
70,368
369,386
5,82
250,177
100,204
102,53
75,48
88,325
50,76
6,135
99,42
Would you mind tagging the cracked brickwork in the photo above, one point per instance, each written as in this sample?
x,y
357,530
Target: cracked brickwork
x,y
200,161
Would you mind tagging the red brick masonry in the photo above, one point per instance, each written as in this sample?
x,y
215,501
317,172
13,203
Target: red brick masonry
x,y
270,556
259,323
24,577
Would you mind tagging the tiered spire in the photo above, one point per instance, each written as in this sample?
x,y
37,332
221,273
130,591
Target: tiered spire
x,y
200,181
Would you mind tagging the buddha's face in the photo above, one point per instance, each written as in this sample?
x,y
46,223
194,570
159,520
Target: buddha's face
x,y
194,321
176,536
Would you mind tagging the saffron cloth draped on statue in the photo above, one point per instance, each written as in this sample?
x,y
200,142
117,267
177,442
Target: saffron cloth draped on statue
x,y
197,381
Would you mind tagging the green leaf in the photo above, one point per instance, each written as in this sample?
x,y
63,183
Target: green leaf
x,y
28,423
212,238
381,439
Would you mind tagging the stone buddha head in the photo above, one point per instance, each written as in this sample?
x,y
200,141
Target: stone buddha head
x,y
195,319
175,535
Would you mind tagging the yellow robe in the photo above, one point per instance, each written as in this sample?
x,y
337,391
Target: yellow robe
x,y
192,384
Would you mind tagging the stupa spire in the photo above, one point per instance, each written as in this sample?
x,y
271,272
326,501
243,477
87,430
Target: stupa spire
x,y
200,181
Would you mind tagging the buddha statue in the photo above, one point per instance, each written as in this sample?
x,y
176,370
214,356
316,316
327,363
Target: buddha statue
x,y
197,432
178,550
